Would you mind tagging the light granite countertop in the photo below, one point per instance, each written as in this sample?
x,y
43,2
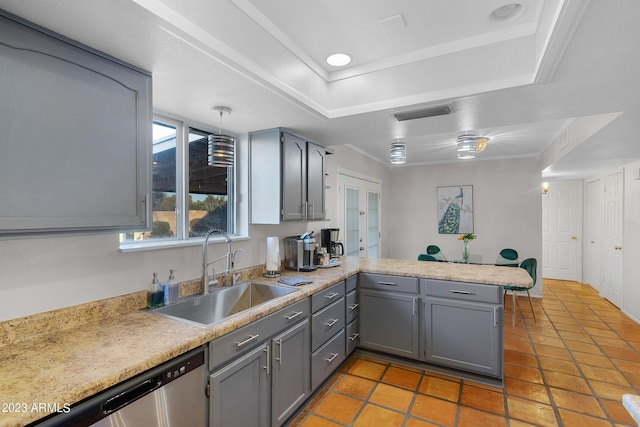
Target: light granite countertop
x,y
63,365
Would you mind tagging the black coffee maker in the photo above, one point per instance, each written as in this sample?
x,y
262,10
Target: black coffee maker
x,y
329,238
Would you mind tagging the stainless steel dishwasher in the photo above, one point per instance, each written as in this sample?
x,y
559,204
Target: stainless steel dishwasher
x,y
169,395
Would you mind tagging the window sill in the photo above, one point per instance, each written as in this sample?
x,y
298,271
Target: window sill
x,y
171,244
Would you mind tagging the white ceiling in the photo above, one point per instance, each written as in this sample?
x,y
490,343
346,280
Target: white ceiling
x,y
520,81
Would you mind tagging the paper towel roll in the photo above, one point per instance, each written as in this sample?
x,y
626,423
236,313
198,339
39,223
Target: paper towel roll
x,y
273,254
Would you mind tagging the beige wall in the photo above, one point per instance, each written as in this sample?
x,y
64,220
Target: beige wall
x,y
507,209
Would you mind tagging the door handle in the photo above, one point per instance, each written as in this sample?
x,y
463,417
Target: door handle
x,y
279,358
266,367
574,238
617,248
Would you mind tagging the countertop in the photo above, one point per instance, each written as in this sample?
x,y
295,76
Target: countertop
x,y
61,366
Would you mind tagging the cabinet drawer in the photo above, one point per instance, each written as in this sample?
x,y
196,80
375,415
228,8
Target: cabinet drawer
x,y
352,306
327,296
326,323
463,291
237,342
352,336
351,283
384,282
327,359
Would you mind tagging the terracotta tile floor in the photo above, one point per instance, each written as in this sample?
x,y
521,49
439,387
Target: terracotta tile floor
x,y
570,368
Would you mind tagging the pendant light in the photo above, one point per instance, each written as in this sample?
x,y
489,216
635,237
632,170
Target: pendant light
x,y
221,147
398,153
466,146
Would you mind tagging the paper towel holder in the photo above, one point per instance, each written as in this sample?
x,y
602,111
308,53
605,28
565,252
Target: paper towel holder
x,y
271,274
272,264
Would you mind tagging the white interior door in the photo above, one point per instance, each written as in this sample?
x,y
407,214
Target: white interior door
x,y
612,271
593,241
562,231
359,215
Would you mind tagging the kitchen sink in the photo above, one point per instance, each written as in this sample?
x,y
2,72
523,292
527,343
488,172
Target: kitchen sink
x,y
221,303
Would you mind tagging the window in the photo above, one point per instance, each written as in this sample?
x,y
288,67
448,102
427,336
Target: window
x,y
182,177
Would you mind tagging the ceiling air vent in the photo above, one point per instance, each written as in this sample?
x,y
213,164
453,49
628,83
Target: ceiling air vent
x,y
439,110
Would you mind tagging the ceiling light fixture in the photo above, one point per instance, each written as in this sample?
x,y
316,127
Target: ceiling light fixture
x,y
466,146
507,12
221,147
338,59
398,153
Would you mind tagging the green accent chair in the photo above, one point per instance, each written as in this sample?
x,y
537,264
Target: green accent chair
x,y
426,257
529,264
507,255
435,252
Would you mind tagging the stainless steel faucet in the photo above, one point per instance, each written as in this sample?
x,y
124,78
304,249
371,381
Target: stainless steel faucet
x,y
205,262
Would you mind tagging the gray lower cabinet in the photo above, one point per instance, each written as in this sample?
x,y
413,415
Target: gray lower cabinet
x,y
240,391
291,383
463,326
389,314
328,332
352,309
261,372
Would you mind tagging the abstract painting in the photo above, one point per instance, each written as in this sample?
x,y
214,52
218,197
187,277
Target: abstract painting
x,y
455,209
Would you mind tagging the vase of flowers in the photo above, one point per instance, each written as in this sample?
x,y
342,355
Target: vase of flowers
x,y
465,244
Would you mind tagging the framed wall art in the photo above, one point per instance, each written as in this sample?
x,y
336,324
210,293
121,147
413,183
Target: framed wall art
x,y
455,209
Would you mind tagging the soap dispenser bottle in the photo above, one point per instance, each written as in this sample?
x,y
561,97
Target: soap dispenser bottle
x,y
155,297
171,289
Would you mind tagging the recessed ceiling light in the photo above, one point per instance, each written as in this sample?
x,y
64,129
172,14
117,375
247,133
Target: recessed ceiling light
x,y
507,12
338,59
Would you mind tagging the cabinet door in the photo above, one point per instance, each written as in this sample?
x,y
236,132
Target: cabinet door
x,y
464,335
389,322
291,373
75,147
294,171
240,392
315,181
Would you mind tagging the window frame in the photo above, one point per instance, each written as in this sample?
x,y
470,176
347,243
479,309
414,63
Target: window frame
x,y
183,128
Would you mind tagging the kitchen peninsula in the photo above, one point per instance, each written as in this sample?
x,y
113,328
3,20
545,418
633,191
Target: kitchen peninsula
x,y
57,359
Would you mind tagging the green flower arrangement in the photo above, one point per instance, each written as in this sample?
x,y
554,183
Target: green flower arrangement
x,y
467,237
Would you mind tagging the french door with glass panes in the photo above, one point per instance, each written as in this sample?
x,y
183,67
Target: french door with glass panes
x,y
359,216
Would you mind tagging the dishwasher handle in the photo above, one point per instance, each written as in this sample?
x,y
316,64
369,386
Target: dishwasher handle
x,y
132,394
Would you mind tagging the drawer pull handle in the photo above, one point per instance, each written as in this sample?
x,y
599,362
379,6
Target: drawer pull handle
x,y
251,338
354,306
455,291
332,358
333,295
387,283
332,322
294,315
354,336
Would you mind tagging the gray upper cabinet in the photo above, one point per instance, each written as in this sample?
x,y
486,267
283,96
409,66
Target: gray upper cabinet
x,y
75,146
287,177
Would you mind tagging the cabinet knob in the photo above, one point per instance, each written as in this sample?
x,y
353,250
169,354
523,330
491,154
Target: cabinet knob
x,y
617,247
